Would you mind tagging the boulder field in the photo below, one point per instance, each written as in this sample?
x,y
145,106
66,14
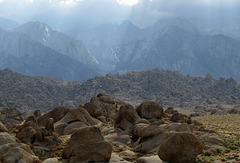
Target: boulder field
x,y
103,130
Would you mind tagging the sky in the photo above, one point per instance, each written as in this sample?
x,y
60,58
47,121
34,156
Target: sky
x,y
65,14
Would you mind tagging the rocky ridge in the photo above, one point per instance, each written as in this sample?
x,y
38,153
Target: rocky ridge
x,y
201,94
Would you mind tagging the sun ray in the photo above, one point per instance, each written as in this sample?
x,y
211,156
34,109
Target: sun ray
x,y
128,2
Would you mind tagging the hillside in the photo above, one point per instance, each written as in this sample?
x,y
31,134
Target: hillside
x,y
169,88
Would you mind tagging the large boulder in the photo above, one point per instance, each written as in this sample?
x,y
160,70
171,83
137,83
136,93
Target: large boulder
x,y
102,106
73,120
10,116
149,137
145,130
150,110
126,117
138,128
87,145
13,151
180,148
57,114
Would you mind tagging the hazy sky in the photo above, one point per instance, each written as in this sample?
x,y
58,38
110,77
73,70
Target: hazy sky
x,y
59,13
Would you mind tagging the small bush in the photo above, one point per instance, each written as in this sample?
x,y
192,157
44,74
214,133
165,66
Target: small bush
x,y
233,144
207,153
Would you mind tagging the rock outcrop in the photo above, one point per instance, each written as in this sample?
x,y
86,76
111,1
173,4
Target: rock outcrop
x,y
167,87
73,120
26,132
87,145
57,114
102,107
126,117
149,137
42,140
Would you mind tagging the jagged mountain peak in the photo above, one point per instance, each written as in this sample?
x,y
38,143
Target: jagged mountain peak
x,y
60,42
33,24
24,55
36,30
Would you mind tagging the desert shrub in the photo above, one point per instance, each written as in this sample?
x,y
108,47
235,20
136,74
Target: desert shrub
x,y
232,144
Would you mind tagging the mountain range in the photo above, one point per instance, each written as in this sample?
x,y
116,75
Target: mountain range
x,y
34,48
172,44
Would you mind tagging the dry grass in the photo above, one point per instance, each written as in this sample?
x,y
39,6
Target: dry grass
x,y
228,128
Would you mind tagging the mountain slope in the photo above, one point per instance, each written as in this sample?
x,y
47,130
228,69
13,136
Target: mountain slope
x,y
21,54
166,87
57,41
